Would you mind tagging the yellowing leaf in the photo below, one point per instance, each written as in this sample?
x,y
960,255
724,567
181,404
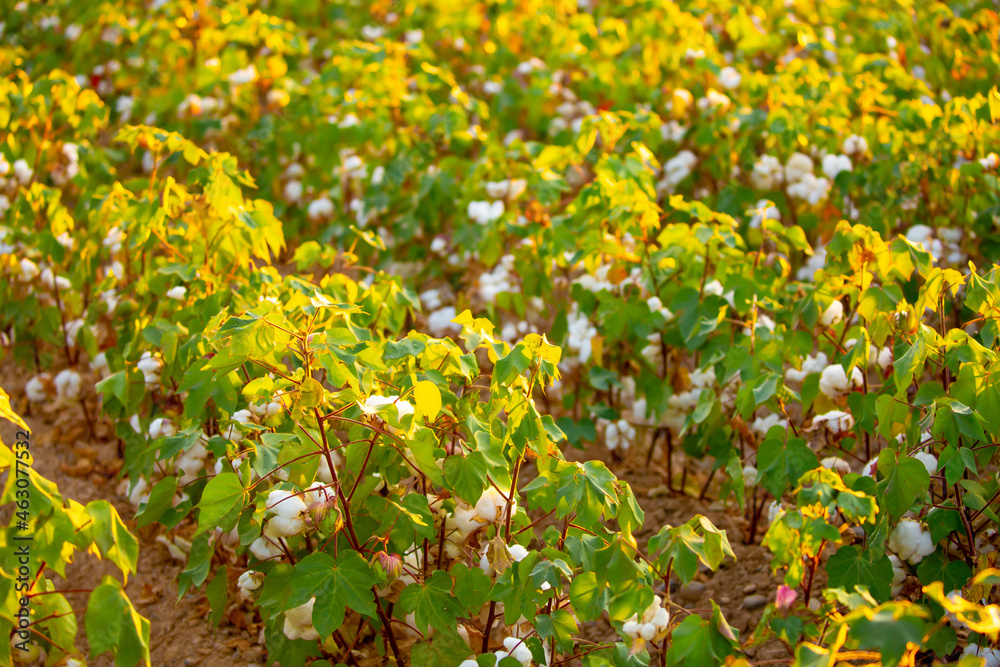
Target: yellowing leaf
x,y
8,413
428,399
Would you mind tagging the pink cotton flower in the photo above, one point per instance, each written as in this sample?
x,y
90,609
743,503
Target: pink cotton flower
x,y
784,599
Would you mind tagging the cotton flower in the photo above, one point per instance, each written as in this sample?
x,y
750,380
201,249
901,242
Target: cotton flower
x,y
833,314
834,383
298,622
910,541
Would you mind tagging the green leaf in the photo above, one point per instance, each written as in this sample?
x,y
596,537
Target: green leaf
x,y
337,584
113,624
937,567
445,649
112,537
467,475
431,603
904,482
851,566
781,465
221,503
217,594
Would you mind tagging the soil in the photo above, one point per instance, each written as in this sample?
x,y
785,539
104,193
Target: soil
x,y
84,462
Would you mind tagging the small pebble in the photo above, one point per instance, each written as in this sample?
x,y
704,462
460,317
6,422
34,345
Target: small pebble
x,y
692,591
752,602
749,588
724,600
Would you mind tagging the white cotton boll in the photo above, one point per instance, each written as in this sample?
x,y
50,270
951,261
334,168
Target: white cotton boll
x,y
764,210
440,322
833,314
298,622
834,383
929,460
836,464
898,571
774,511
37,388
837,421
631,628
160,427
29,270
4,166
834,164
374,402
639,409
761,425
263,549
468,663
729,78
654,303
99,364
676,170
749,475
320,209
990,656
137,496
713,288
811,364
439,245
767,173
177,293
278,527
517,552
910,542
797,167
810,189
285,504
484,212
67,384
23,172
647,631
854,145
243,76
248,582
431,299
293,192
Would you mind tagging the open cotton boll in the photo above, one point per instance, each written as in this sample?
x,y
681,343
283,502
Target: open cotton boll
x,y
929,460
836,421
990,656
729,78
910,541
797,167
836,464
761,425
285,504
484,212
38,387
834,164
834,383
177,293
298,622
767,173
374,402
854,145
160,427
833,314
492,505
619,435
514,648
248,582
898,574
749,475
810,188
811,364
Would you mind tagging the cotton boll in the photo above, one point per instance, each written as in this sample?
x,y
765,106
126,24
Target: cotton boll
x,y
23,172
837,421
910,542
990,656
761,425
833,314
298,622
729,78
177,293
285,504
248,582
811,364
929,460
834,164
67,385
483,212
749,475
39,387
810,189
440,322
797,167
160,428
767,173
263,549
855,145
834,383
836,464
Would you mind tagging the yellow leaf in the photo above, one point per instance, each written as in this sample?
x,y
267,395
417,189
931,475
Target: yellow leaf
x,y
8,413
428,398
